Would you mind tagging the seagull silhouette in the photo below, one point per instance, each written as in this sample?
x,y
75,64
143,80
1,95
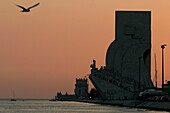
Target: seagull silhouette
x,y
28,9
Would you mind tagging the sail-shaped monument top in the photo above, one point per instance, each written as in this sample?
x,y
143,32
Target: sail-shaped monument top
x,y
128,58
136,24
132,46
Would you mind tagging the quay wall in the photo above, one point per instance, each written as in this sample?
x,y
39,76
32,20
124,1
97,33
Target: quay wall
x,y
152,105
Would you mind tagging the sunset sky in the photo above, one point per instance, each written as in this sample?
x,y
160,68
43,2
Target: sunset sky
x,y
44,51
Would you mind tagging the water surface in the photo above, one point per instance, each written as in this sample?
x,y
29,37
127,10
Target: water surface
x,y
45,106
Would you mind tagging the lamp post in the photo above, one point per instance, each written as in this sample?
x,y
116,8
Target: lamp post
x,y
163,47
139,72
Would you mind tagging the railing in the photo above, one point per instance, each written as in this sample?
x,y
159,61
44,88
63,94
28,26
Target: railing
x,y
126,83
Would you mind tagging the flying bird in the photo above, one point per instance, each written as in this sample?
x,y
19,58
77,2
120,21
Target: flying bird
x,y
28,9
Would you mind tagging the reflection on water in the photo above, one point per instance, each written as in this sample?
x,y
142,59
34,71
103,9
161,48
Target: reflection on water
x,y
45,106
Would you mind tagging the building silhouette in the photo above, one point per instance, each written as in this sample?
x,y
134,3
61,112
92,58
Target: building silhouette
x,y
81,88
128,58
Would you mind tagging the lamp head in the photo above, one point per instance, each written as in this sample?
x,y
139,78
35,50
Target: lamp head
x,y
163,46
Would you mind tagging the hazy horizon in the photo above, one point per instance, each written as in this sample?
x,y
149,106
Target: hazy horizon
x,y
45,50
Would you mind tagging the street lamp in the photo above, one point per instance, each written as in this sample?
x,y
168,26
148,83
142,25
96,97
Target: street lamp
x,y
163,47
139,73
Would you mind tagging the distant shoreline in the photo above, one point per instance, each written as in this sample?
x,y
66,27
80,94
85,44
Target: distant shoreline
x,y
21,99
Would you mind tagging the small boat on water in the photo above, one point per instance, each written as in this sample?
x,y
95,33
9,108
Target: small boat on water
x,y
13,99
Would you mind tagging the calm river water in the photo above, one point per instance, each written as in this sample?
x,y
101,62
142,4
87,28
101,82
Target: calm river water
x,y
45,106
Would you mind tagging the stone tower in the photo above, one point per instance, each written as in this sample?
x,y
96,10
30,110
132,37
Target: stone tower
x,y
81,88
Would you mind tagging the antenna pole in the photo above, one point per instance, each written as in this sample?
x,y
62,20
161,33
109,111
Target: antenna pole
x,y
155,72
163,47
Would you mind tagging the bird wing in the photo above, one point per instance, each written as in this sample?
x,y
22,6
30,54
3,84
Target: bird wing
x,y
20,6
34,6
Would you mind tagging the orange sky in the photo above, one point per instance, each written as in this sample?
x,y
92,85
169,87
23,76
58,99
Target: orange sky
x,y
45,50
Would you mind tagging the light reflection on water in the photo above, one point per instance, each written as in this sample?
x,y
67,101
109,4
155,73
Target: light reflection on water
x,y
45,106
